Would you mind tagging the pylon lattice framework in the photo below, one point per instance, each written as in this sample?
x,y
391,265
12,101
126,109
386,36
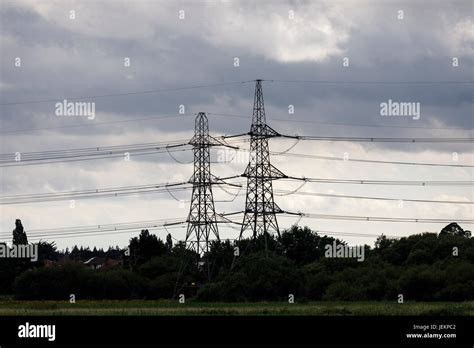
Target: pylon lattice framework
x,y
201,220
260,208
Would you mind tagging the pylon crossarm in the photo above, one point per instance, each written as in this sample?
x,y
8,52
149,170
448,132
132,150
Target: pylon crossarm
x,y
234,213
292,213
263,131
221,181
224,219
233,136
216,142
174,223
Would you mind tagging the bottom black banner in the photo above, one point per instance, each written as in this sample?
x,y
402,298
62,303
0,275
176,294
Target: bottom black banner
x,y
240,330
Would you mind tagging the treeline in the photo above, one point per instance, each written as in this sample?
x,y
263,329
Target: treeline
x,y
422,267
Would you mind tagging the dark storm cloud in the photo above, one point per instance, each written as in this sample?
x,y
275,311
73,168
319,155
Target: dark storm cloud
x,y
95,68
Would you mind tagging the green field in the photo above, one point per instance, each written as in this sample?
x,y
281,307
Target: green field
x,y
167,307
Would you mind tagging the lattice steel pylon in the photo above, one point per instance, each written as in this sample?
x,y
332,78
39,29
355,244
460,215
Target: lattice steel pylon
x,y
260,208
202,220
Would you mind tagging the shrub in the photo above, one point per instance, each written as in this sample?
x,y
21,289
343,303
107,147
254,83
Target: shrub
x,y
58,283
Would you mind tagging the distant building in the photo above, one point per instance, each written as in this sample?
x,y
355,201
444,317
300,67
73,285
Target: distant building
x,y
95,262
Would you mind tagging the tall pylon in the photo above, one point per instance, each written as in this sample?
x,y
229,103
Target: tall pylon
x,y
202,221
260,208
202,218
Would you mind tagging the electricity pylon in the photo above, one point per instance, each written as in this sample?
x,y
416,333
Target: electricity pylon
x,y
202,218
260,208
202,221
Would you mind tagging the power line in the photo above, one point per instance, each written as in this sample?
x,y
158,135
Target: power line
x,y
371,218
99,233
341,233
90,158
107,195
101,227
110,229
86,154
167,116
155,188
126,93
152,91
365,139
169,150
354,234
372,82
80,154
88,195
104,192
333,158
288,154
82,235
92,230
383,219
385,182
165,228
330,195
281,192
53,154
339,123
381,140
96,123
229,115
165,188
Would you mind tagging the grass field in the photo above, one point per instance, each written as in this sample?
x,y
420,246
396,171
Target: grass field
x,y
167,307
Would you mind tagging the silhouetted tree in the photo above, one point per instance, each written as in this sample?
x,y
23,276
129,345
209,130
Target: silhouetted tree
x,y
47,251
221,254
75,254
454,229
19,235
169,243
303,245
144,248
383,242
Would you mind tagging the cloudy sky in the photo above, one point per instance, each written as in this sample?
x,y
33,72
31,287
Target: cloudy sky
x,y
358,55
